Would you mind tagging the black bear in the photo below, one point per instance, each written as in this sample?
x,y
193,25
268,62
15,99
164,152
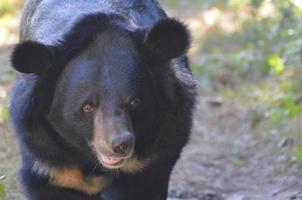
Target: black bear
x,y
103,99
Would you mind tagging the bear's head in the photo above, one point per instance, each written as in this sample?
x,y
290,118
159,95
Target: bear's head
x,y
106,86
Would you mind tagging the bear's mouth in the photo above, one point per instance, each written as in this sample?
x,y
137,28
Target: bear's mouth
x,y
109,160
112,162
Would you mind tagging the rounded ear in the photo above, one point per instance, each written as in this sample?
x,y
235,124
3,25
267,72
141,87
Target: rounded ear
x,y
32,57
168,39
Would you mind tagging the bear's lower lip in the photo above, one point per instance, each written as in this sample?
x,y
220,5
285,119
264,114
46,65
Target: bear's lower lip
x,y
111,162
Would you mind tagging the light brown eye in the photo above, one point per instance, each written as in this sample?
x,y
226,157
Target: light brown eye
x,y
133,102
88,108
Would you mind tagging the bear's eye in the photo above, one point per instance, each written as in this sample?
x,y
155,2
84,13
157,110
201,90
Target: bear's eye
x,y
88,108
133,102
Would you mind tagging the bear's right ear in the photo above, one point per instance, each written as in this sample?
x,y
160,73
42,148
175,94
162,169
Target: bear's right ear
x,y
32,57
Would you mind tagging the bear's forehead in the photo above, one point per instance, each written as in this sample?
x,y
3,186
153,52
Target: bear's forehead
x,y
111,61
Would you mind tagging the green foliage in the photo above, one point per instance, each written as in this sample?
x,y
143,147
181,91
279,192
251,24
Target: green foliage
x,y
291,107
261,45
4,6
299,152
8,6
276,63
5,114
197,70
258,63
2,191
264,49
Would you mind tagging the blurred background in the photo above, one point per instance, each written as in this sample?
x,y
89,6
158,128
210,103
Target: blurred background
x,y
247,137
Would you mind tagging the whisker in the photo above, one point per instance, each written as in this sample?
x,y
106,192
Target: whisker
x,y
93,169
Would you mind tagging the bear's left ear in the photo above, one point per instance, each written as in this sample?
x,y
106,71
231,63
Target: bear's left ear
x,y
32,57
168,39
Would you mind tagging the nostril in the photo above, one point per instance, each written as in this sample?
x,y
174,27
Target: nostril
x,y
123,144
121,149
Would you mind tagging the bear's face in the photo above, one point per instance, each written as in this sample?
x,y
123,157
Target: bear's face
x,y
106,98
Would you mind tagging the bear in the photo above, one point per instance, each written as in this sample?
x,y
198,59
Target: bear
x,y
103,100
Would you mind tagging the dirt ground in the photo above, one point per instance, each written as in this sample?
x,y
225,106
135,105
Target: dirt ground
x,y
228,160
225,160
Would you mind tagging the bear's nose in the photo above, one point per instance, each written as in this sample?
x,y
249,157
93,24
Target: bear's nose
x,y
123,143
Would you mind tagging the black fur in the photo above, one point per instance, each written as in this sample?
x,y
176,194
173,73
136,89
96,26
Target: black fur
x,y
168,39
31,118
109,61
32,57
